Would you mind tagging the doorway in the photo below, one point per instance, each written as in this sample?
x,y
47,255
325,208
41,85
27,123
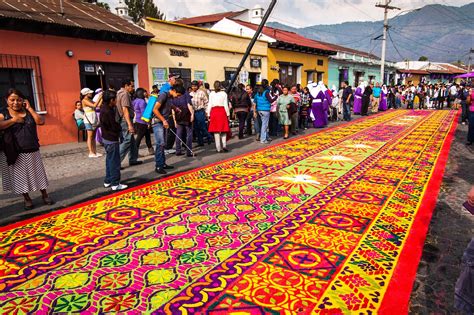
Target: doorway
x,y
184,73
288,74
358,77
104,75
253,78
343,76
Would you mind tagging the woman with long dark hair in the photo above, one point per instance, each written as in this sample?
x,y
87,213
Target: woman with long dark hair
x,y
25,171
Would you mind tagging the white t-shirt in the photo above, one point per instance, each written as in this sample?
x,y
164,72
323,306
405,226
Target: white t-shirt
x,y
218,99
453,90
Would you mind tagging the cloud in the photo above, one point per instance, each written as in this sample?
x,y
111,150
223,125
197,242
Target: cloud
x,y
296,13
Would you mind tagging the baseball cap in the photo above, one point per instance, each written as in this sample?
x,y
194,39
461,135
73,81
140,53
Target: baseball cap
x,y
86,91
174,75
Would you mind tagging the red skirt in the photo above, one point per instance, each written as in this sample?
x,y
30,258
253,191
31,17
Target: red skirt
x,y
218,120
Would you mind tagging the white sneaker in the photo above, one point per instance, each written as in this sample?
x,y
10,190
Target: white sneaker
x,y
107,185
463,122
92,155
119,187
98,155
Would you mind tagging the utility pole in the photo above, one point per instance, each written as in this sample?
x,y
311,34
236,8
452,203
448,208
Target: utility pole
x,y
386,6
471,51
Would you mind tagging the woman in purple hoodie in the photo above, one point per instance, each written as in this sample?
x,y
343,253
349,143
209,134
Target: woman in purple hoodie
x,y
141,126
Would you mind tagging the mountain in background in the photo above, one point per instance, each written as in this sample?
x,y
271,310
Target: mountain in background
x,y
441,33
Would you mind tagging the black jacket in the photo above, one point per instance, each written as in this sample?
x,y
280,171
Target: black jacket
x,y
110,127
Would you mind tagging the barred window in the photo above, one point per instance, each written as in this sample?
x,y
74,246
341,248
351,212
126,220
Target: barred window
x,y
24,74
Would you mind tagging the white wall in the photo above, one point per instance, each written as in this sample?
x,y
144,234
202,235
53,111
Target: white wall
x,y
231,27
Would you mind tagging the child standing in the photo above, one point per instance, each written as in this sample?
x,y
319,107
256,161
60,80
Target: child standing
x,y
111,130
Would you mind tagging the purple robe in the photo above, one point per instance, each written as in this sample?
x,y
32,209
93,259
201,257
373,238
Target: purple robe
x,y
317,108
326,104
358,101
383,101
98,131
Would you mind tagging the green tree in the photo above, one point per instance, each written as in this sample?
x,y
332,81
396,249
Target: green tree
x,y
139,9
100,4
423,58
104,5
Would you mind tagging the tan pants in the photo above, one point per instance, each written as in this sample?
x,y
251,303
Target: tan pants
x,y
375,104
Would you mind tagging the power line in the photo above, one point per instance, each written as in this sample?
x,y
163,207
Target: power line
x,y
355,7
419,43
393,44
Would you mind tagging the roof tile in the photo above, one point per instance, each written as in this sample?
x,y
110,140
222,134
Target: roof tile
x,y
76,14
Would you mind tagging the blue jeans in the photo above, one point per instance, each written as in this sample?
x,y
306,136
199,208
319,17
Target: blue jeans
x,y
265,116
347,111
128,144
159,133
112,164
200,127
181,131
257,122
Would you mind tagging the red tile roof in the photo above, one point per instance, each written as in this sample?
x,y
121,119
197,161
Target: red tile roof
x,y
352,51
413,71
289,37
211,18
77,14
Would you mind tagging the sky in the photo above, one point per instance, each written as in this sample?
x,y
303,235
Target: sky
x,y
296,13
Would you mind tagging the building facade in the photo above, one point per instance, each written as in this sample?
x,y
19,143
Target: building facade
x,y
292,59
201,54
51,55
415,72
356,66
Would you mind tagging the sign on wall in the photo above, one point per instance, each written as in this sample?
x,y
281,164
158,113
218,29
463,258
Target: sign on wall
x,y
244,76
179,53
160,76
255,62
200,75
89,68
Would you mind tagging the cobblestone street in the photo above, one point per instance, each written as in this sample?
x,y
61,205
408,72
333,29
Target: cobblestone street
x,y
450,231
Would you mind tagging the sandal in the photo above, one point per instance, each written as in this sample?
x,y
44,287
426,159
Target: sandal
x,y
29,205
48,201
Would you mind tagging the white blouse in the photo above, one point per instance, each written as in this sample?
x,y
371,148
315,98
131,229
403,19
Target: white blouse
x,y
218,99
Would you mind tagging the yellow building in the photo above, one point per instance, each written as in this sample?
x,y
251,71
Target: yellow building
x,y
201,54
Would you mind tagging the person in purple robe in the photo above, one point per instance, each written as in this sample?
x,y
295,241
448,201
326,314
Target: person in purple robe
x,y
318,113
358,99
383,99
326,103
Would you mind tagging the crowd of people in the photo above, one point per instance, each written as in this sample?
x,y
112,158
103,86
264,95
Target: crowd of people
x,y
115,120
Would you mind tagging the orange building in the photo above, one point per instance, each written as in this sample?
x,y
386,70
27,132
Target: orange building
x,y
49,54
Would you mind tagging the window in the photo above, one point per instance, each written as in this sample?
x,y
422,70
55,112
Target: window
x,y
24,74
320,62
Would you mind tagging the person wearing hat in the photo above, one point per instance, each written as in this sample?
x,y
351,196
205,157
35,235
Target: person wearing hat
x,y
90,119
171,81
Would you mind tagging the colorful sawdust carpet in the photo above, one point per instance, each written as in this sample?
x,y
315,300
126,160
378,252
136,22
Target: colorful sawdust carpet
x,y
328,223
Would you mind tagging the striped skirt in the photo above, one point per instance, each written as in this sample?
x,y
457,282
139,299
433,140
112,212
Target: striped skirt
x,y
27,174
